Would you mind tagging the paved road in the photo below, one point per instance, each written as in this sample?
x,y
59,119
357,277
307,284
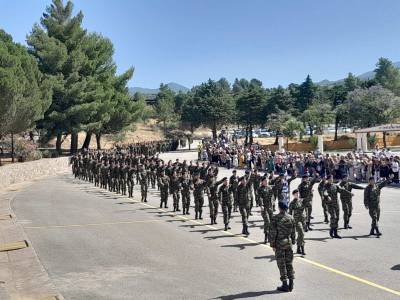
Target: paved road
x,y
98,245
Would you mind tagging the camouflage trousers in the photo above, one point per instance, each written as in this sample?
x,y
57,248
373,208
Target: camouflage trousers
x,y
164,198
185,200
300,232
334,215
213,205
284,260
244,212
226,211
325,208
143,191
131,184
176,197
374,213
347,207
308,208
198,204
267,216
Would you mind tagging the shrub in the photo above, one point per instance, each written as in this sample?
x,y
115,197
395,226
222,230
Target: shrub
x,y
25,149
314,140
34,155
46,154
372,140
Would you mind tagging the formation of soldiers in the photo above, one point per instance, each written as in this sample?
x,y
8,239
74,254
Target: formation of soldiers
x,y
120,169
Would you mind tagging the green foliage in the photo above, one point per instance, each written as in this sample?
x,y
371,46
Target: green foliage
x,y
165,108
24,92
314,140
371,107
292,127
277,120
317,115
305,95
372,140
387,75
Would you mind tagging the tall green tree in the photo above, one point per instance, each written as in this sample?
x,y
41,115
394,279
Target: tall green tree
x,y
165,108
25,93
276,121
58,45
371,107
306,93
214,103
279,99
250,105
317,115
387,75
290,128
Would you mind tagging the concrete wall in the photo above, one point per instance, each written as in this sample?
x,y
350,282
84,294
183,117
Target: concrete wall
x,y
20,172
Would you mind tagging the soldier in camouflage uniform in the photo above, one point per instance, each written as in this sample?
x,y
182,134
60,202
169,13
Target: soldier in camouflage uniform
x,y
233,182
297,210
266,202
306,194
346,199
225,197
331,196
186,185
212,188
143,183
250,179
282,236
123,172
323,199
244,203
372,199
163,184
131,180
175,189
198,193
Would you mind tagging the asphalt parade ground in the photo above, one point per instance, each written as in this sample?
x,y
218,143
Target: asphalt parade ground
x,y
96,244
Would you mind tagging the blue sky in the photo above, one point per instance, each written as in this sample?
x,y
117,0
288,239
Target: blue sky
x,y
276,41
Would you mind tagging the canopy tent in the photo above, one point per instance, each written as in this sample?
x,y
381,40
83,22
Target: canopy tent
x,y
361,134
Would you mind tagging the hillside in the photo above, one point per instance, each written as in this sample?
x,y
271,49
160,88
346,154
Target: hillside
x,y
363,76
175,87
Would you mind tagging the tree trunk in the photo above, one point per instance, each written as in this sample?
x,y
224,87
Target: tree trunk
x,y
74,143
98,141
214,131
12,148
58,143
384,139
251,134
311,130
336,127
31,135
88,138
246,138
276,138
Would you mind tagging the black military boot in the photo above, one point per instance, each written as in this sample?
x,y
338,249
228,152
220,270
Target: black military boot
x,y
247,230
306,228
161,205
331,232
348,225
335,234
200,217
291,285
177,208
265,238
284,287
309,228
215,220
243,229
302,250
345,226
187,211
326,221
378,233
298,250
372,231
196,215
226,227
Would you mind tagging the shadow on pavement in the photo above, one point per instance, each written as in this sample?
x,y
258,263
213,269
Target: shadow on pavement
x,y
248,295
395,268
204,231
241,246
270,257
356,237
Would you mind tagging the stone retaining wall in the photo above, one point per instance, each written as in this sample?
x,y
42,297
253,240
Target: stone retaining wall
x,y
20,172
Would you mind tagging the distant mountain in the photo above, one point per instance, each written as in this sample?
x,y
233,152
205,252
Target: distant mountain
x,y
175,87
363,76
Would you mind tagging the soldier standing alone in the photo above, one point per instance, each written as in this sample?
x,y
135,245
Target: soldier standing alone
x,y
283,235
